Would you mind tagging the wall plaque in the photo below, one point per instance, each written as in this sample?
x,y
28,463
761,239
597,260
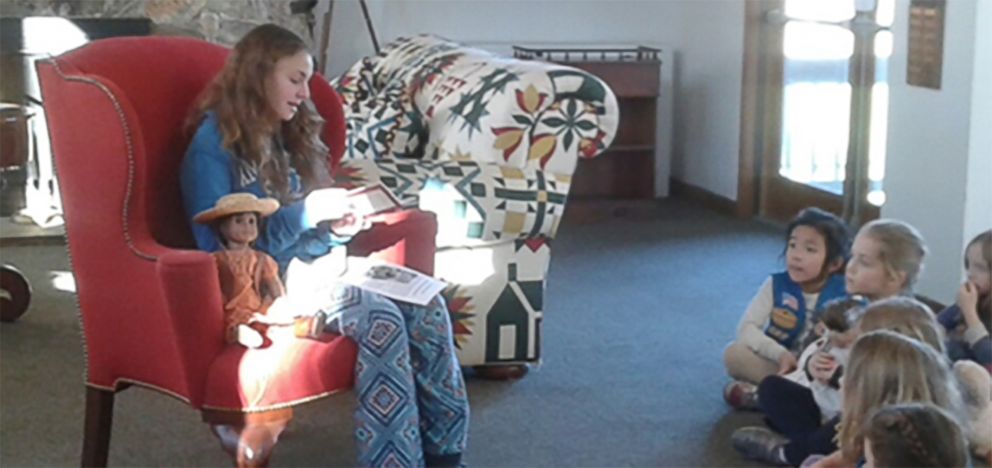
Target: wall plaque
x,y
926,43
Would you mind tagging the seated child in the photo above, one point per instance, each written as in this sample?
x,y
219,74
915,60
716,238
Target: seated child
x,y
791,408
969,321
778,319
889,368
249,279
886,260
914,434
830,341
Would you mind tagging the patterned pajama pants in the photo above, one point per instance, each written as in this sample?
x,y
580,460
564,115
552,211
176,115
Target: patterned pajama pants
x,y
411,394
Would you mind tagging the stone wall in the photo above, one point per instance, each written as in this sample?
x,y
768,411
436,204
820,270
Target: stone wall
x,y
219,21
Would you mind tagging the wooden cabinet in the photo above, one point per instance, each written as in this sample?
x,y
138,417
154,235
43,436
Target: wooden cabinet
x,y
627,168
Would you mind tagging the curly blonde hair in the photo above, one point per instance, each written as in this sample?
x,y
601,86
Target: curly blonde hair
x,y
887,368
248,126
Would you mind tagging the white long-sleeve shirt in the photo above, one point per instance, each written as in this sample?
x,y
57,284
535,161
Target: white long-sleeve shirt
x,y
751,330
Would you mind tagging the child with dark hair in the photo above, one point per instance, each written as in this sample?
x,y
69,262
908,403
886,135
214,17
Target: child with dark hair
x,y
969,321
914,434
780,316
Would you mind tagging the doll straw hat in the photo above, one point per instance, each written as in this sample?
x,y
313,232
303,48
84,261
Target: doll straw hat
x,y
238,203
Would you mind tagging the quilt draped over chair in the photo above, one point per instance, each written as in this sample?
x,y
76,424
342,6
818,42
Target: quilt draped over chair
x,y
489,145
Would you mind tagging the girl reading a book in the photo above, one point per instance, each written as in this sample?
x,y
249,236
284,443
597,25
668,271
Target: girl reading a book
x,y
256,132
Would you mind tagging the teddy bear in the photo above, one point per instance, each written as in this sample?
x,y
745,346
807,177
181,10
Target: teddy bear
x,y
976,384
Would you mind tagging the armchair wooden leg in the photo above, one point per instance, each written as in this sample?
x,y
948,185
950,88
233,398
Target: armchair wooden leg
x,y
248,437
96,429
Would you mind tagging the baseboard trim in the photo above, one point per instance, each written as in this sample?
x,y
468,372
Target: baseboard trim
x,y
702,196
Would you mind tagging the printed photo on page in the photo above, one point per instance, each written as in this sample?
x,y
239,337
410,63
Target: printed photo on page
x,y
392,281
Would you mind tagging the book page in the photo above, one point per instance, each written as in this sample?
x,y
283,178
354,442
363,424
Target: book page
x,y
373,199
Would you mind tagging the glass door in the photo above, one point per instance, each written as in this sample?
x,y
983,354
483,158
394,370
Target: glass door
x,y
826,99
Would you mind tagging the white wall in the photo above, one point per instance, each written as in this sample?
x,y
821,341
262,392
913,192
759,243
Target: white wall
x,y
706,35
978,197
937,139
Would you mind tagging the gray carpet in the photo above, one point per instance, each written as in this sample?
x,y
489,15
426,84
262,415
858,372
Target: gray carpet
x,y
637,312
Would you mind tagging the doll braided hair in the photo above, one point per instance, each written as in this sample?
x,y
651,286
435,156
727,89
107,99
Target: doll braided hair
x,y
916,434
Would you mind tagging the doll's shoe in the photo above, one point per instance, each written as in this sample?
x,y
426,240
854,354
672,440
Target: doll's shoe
x,y
761,444
319,326
741,395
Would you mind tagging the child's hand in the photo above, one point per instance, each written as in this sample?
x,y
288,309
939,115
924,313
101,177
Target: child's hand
x,y
822,367
786,363
968,298
349,225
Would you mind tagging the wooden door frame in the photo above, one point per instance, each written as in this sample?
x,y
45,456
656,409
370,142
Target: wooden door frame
x,y
761,89
758,46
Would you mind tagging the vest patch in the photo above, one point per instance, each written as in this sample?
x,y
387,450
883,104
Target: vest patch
x,y
784,318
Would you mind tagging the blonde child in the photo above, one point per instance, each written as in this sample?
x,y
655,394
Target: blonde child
x,y
779,317
906,316
888,368
969,320
886,260
914,434
793,410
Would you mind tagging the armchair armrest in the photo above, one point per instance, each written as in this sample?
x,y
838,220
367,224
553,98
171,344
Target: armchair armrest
x,y
189,283
402,237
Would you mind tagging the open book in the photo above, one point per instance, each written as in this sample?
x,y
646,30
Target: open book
x,y
392,281
361,201
308,288
372,199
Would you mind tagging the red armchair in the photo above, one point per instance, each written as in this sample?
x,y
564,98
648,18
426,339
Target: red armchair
x,y
150,305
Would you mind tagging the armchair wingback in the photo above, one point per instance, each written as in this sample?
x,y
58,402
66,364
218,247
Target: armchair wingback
x,y
150,306
488,144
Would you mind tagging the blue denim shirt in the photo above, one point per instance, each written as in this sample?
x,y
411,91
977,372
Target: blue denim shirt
x,y
209,172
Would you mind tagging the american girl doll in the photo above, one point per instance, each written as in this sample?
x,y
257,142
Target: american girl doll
x,y
914,434
249,279
779,317
969,320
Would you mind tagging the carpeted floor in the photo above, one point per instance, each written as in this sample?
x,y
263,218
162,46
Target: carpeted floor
x,y
637,312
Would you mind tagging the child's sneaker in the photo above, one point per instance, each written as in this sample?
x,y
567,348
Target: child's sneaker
x,y
761,444
741,395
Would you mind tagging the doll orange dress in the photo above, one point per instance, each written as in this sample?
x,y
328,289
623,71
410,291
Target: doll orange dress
x,y
242,275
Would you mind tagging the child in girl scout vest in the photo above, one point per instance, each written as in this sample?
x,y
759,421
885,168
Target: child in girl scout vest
x,y
774,327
